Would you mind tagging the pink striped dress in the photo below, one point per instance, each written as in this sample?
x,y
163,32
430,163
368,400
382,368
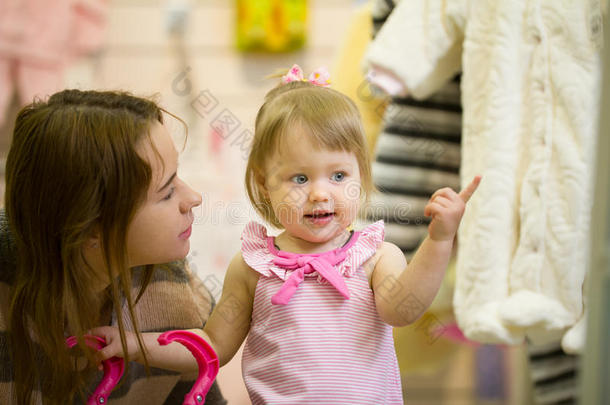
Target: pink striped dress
x,y
321,341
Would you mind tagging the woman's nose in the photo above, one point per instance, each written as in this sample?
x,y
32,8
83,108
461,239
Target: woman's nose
x,y
191,199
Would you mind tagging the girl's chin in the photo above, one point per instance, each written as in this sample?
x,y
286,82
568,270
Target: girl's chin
x,y
325,234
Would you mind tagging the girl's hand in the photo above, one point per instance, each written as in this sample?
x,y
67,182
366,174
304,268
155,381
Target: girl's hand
x,y
113,344
446,208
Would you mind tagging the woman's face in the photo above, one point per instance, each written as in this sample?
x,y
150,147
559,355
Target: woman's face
x,y
160,230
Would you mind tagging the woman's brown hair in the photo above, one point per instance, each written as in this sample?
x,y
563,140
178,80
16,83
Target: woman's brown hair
x,y
72,171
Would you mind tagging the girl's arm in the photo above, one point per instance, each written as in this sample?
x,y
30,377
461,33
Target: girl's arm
x,y
225,330
229,323
403,293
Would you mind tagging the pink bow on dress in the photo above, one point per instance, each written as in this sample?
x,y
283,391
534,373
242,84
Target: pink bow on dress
x,y
305,264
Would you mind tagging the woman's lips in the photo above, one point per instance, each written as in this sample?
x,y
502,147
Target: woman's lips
x,y
186,234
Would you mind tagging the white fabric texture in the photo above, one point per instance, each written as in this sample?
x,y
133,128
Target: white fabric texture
x,y
530,91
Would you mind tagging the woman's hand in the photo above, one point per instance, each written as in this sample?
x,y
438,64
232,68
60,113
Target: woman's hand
x,y
446,208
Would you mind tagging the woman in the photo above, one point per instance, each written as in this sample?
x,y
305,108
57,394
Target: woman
x,y
92,202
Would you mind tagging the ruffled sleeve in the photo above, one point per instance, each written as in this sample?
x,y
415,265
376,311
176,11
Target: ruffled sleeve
x,y
370,239
255,251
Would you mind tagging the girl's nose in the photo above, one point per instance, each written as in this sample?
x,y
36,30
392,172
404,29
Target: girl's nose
x,y
318,194
190,200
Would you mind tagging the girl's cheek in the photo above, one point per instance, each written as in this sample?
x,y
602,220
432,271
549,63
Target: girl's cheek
x,y
274,183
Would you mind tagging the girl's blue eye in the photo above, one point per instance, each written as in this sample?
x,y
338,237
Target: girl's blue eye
x,y
339,176
169,195
299,179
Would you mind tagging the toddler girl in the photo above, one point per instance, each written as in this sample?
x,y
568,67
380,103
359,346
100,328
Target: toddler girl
x,y
318,302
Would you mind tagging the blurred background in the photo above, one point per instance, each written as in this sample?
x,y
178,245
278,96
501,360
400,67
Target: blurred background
x,y
206,62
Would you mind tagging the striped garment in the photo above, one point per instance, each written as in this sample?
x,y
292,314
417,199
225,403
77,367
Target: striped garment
x,y
320,348
417,152
174,299
554,374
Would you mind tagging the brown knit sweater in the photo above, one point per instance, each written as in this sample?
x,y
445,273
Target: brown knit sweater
x,y
175,299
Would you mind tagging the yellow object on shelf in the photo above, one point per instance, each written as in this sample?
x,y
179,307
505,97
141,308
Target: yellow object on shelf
x,y
271,25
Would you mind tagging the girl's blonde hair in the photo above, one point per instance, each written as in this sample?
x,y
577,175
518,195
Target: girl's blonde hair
x,y
330,119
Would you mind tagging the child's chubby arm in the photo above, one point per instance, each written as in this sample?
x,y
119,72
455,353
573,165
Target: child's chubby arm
x,y
229,323
225,330
403,293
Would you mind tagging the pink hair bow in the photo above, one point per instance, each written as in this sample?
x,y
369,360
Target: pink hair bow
x,y
319,77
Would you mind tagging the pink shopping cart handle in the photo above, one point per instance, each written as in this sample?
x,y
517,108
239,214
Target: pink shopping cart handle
x,y
206,357
113,370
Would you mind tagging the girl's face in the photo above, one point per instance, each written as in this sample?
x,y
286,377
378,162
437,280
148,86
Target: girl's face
x,y
315,194
160,230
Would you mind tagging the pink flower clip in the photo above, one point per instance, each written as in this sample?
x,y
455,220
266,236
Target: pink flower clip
x,y
319,77
295,74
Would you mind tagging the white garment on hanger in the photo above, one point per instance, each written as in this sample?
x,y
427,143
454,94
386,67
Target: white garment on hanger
x,y
531,74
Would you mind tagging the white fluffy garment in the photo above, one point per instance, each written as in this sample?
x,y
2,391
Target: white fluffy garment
x,y
531,76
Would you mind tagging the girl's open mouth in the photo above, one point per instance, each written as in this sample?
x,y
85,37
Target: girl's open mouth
x,y
321,218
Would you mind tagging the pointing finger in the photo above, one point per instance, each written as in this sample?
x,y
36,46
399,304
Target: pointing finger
x,y
466,193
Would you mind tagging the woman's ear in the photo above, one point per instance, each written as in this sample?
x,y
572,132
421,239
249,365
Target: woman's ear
x,y
93,243
94,239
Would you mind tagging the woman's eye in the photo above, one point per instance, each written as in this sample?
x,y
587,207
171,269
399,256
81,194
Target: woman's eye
x,y
339,176
170,194
299,179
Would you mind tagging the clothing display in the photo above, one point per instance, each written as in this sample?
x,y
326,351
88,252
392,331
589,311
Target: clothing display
x,y
326,343
347,77
413,349
530,80
174,299
554,374
28,80
38,39
417,152
445,90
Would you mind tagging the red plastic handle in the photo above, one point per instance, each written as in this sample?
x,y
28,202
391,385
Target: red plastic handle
x,y
206,359
113,370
